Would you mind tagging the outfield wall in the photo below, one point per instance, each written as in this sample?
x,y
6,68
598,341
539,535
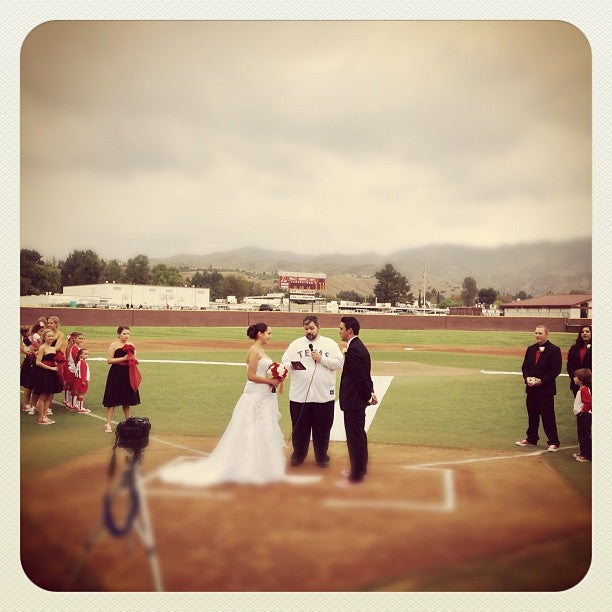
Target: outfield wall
x,y
71,318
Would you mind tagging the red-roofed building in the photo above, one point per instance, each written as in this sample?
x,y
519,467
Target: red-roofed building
x,y
567,306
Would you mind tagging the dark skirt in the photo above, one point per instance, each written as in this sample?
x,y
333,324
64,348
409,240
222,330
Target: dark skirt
x,y
47,381
27,373
118,391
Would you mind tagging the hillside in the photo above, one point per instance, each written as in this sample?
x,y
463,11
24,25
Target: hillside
x,y
536,268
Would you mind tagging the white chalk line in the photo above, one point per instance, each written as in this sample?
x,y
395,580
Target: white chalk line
x,y
190,492
187,361
160,440
447,504
495,372
448,496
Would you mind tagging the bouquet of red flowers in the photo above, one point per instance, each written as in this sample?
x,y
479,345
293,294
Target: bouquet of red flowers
x,y
132,363
279,371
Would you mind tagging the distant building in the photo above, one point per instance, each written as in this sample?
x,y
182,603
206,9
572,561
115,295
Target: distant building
x,y
122,295
472,311
567,306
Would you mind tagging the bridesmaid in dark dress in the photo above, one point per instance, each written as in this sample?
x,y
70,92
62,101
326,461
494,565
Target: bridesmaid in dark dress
x,y
123,377
28,367
47,380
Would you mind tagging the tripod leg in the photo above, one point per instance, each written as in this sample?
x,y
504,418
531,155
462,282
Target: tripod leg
x,y
89,543
146,534
87,546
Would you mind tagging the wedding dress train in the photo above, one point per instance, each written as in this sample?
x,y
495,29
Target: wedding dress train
x,y
251,450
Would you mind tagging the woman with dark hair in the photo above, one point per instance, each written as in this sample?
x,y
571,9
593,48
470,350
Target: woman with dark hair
x,y
123,377
579,355
251,448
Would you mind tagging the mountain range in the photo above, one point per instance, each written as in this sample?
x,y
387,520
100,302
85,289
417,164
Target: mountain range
x,y
536,268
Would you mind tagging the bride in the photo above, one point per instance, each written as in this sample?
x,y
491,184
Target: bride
x,y
251,449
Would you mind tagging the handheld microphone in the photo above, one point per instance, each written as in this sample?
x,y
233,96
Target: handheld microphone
x,y
310,347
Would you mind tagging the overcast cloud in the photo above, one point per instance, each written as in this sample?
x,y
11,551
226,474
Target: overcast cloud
x,y
170,137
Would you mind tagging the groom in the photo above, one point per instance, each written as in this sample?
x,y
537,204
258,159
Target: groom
x,y
356,393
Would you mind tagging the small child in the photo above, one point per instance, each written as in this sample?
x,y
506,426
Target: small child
x,y
81,381
583,411
75,342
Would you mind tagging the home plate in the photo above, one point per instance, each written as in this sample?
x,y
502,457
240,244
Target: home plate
x,y
381,384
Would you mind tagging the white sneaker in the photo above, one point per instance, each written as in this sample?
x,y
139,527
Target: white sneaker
x,y
108,428
524,443
553,448
32,411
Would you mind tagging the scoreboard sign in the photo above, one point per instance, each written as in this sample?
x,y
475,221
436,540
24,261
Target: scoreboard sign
x,y
303,282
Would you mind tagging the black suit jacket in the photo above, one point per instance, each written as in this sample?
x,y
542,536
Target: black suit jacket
x,y
356,385
547,369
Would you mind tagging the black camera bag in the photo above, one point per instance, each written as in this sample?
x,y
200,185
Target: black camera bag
x,y
133,433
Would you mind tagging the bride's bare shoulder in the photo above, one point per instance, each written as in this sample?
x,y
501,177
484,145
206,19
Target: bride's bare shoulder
x,y
254,355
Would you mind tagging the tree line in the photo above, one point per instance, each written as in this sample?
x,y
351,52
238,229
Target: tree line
x,y
85,267
394,288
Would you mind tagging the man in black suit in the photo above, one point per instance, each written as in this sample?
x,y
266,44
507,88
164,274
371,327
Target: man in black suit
x,y
541,366
356,392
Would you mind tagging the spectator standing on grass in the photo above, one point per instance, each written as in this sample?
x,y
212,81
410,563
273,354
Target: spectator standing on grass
x,y
579,355
75,342
28,367
29,361
122,381
81,381
47,382
312,391
583,408
60,343
541,366
59,339
356,393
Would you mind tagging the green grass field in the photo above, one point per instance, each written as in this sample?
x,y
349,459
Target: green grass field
x,y
424,406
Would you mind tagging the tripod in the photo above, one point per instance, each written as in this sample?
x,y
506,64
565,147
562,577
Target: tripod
x,y
138,517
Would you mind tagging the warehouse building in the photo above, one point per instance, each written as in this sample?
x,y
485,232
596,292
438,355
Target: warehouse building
x,y
567,306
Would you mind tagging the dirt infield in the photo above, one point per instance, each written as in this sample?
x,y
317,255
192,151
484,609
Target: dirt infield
x,y
423,517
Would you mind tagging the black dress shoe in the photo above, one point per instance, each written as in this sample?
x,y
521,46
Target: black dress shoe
x,y
323,464
295,463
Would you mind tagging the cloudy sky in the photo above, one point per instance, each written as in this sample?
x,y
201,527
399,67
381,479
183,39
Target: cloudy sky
x,y
191,137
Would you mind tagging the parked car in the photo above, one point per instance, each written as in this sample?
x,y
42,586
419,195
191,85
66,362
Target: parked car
x,y
265,307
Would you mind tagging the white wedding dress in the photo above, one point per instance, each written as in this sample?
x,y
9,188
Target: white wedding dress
x,y
251,448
